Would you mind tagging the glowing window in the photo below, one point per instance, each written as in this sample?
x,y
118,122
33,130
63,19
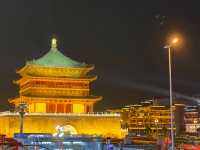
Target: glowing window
x,y
40,107
78,108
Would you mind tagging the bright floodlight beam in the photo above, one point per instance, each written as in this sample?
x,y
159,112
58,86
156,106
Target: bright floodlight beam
x,y
172,43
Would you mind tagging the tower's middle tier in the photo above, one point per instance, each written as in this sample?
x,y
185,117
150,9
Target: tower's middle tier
x,y
54,87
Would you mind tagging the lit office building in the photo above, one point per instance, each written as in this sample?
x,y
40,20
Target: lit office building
x,y
152,118
146,118
191,117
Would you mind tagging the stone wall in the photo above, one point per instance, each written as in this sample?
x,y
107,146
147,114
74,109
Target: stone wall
x,y
88,124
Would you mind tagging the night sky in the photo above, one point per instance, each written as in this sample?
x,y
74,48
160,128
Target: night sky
x,y
123,39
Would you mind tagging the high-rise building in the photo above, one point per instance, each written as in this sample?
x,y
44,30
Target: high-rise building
x,y
179,118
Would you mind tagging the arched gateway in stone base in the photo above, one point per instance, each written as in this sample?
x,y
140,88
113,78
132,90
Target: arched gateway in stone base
x,y
69,130
56,90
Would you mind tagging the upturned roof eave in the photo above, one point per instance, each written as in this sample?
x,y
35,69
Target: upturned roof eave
x,y
89,99
86,78
88,67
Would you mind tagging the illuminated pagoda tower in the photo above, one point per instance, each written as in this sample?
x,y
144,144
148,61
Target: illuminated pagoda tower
x,y
55,83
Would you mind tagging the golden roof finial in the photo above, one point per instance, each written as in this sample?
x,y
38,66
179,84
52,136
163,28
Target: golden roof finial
x,y
54,43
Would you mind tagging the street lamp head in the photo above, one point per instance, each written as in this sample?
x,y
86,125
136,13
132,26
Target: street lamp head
x,y
174,41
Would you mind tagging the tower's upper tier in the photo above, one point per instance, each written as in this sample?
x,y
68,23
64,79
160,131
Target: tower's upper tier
x,y
55,64
54,58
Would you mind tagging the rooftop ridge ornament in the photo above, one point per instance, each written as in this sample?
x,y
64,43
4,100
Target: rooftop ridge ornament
x,y
54,43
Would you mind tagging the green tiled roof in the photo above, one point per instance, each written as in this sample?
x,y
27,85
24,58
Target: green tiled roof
x,y
54,58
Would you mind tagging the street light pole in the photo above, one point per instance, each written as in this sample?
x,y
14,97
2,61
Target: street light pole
x,y
21,114
22,107
171,97
173,42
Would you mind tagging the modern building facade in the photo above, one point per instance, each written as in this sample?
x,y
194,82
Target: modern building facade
x,y
147,118
191,118
179,118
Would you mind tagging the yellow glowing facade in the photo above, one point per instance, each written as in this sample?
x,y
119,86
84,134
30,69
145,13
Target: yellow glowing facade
x,y
57,92
52,87
140,118
107,125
